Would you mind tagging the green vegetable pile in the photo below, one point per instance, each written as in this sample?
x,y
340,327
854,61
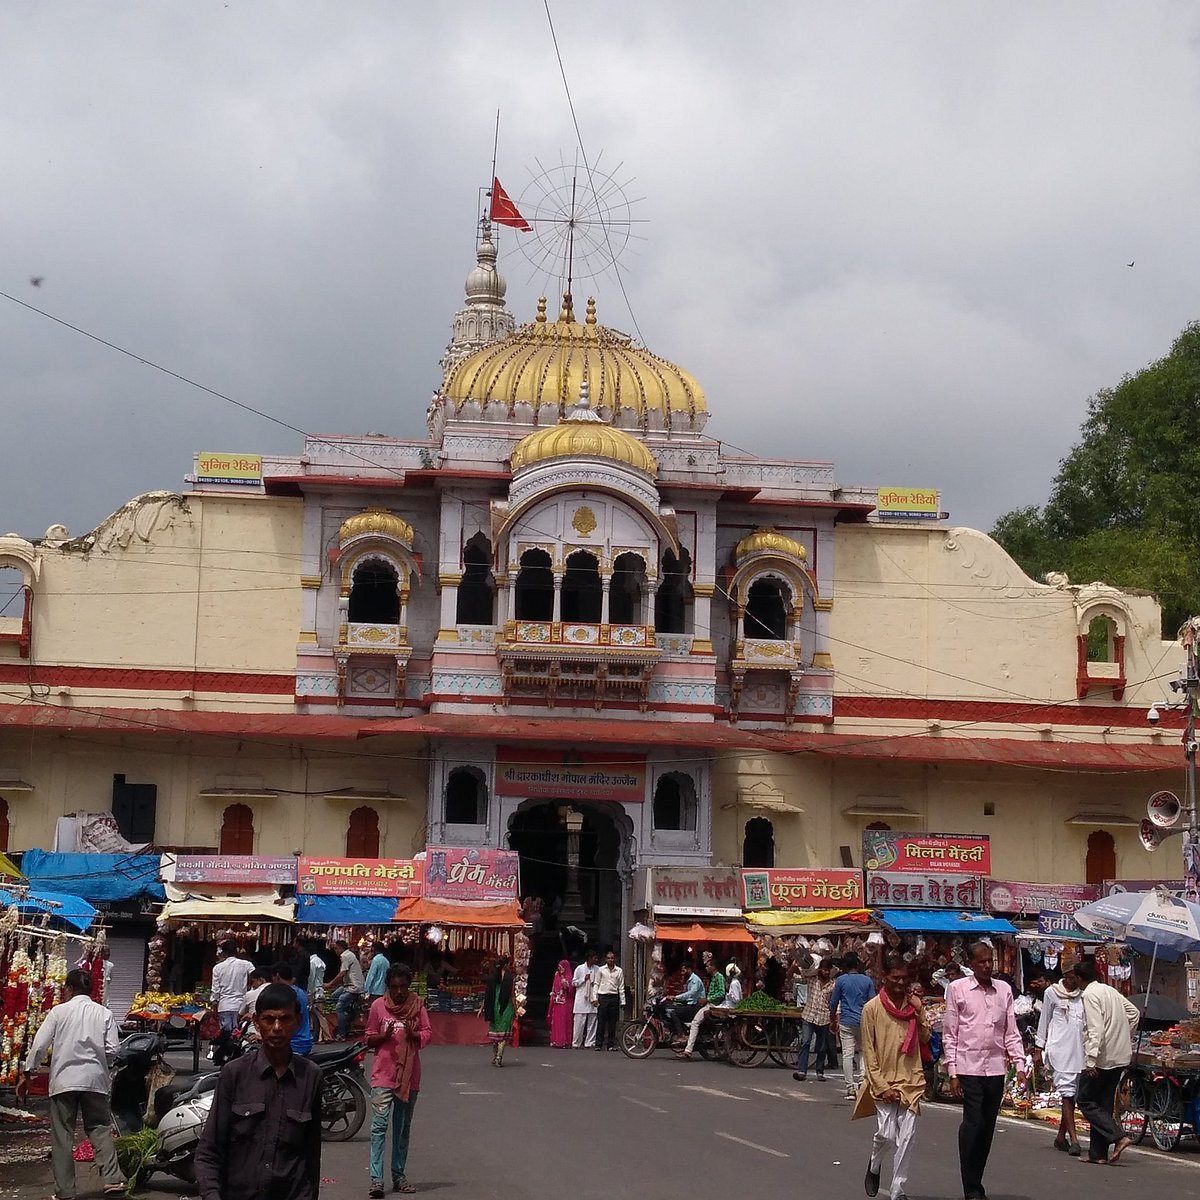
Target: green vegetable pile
x,y
759,1002
135,1152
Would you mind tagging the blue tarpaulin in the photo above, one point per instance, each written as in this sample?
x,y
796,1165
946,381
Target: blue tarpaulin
x,y
71,910
346,910
99,878
933,920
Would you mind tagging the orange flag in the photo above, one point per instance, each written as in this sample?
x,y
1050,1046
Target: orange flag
x,y
504,211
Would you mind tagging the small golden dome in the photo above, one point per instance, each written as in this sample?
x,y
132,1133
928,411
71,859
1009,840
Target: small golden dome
x,y
767,540
544,363
582,434
376,520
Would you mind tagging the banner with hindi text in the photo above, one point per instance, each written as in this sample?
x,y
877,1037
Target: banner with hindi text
x,y
949,853
359,877
814,888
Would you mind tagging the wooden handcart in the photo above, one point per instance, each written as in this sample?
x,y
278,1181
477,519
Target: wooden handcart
x,y
749,1039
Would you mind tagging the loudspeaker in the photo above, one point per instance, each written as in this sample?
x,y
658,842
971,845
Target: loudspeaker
x,y
1149,834
1163,809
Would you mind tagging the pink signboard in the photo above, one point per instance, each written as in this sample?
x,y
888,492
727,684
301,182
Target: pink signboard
x,y
914,889
359,877
943,853
455,873
234,868
1005,896
570,775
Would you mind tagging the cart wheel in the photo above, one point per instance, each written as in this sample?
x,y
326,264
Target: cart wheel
x,y
1165,1115
1131,1105
637,1039
748,1044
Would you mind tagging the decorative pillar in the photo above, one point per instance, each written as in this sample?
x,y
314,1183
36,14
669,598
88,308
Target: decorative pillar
x,y
556,614
448,622
702,618
572,912
605,588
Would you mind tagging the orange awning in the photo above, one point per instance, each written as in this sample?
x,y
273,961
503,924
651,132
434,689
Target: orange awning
x,y
442,912
702,933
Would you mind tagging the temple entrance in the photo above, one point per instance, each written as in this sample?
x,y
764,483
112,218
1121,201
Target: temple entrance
x,y
540,831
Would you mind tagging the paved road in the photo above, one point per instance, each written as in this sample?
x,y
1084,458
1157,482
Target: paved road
x,y
604,1128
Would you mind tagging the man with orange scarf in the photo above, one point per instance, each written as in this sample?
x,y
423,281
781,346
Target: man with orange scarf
x,y
397,1030
895,1041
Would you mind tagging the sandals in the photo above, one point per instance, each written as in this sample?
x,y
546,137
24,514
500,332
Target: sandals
x,y
403,1186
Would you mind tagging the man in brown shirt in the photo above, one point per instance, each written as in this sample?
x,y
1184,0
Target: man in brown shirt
x,y
262,1140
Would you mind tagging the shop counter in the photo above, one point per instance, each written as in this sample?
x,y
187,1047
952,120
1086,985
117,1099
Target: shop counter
x,y
462,1029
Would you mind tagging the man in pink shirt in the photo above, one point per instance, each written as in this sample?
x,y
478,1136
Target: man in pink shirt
x,y
979,1032
397,1030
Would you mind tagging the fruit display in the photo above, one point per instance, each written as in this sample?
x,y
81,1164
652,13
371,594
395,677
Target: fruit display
x,y
160,1002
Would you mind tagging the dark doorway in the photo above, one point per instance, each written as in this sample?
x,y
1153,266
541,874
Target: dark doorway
x,y
582,593
533,593
375,598
1101,857
362,834
766,611
758,847
475,591
673,600
135,809
625,590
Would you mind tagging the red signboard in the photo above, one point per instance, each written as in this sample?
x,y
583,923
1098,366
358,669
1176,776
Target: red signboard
x,y
454,873
1005,896
570,774
945,853
802,888
234,868
359,877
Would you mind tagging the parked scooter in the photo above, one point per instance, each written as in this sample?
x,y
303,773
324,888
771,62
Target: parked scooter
x,y
654,1030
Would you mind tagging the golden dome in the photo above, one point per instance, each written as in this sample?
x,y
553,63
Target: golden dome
x,y
544,363
376,520
766,540
582,434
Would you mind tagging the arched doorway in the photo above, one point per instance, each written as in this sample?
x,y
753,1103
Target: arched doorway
x,y
1101,863
237,830
538,832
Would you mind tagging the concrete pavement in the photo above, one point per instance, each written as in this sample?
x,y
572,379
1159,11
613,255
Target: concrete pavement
x,y
601,1127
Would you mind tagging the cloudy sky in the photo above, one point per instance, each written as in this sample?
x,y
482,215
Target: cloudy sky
x,y
890,235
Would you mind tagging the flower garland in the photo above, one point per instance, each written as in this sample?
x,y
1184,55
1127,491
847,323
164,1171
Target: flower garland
x,y
16,1012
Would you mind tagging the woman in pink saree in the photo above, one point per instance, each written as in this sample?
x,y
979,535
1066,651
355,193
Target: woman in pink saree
x,y
562,994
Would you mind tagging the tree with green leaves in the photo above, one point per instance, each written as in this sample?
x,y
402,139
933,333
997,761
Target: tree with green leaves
x,y
1125,506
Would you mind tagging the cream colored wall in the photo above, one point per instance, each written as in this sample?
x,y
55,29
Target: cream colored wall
x,y
945,612
1030,837
74,774
204,581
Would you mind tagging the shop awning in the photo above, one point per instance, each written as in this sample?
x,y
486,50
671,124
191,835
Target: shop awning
x,y
99,878
772,917
416,910
346,910
932,920
245,904
702,933
71,910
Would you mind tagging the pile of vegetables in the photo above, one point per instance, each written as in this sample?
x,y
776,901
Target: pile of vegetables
x,y
135,1153
759,1002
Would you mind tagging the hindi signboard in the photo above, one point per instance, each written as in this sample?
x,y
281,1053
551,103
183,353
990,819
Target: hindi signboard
x,y
1006,896
949,853
695,891
359,877
910,889
570,775
472,874
1175,886
814,888
243,470
234,868
1063,925
907,504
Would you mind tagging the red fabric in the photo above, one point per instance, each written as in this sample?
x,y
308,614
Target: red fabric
x,y
415,910
912,1037
504,211
459,1029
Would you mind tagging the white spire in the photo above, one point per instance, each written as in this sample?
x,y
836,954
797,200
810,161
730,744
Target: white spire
x,y
484,320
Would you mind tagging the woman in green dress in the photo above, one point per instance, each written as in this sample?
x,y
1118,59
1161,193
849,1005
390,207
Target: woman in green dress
x,y
498,1009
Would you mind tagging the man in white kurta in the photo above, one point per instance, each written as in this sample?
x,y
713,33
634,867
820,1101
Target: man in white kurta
x,y
584,1008
1060,1045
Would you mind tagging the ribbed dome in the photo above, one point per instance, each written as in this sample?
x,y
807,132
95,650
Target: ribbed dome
x,y
376,520
485,285
544,363
769,541
582,434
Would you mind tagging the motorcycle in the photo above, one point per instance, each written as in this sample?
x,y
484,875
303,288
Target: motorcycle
x,y
640,1037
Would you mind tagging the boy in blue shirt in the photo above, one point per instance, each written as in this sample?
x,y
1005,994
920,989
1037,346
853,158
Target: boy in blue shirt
x,y
851,991
302,1042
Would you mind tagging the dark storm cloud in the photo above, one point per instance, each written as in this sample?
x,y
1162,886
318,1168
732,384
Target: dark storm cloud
x,y
891,236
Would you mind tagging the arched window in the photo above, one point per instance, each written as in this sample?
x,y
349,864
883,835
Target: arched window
x,y
12,593
533,594
675,802
476,596
582,594
374,594
766,610
1100,641
3,823
758,846
466,797
673,600
362,834
237,830
1101,857
625,590
879,825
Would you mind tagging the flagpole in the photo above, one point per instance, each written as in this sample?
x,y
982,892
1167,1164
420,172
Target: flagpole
x,y
495,147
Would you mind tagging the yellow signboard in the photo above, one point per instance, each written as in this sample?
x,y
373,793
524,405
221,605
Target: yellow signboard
x,y
921,504
240,469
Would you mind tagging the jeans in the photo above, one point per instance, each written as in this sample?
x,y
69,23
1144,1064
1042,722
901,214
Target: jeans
x,y
228,1021
97,1123
824,1041
348,1003
851,1053
606,1021
982,1096
1095,1097
385,1103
